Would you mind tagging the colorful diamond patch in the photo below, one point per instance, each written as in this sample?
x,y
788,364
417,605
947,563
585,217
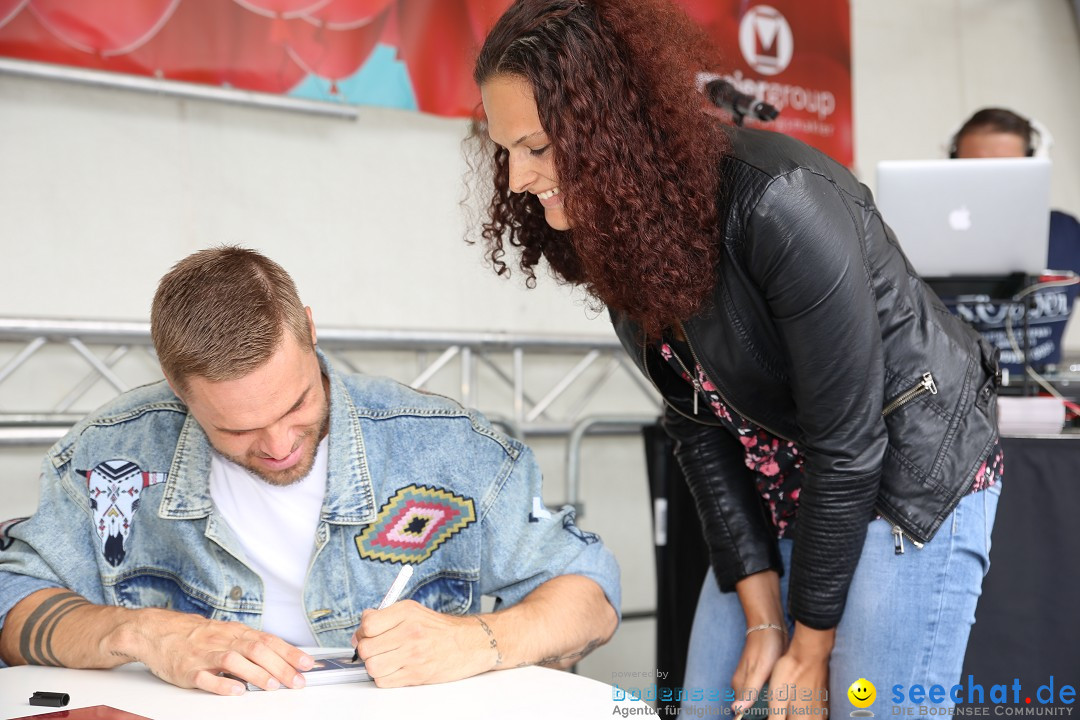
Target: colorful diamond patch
x,y
413,523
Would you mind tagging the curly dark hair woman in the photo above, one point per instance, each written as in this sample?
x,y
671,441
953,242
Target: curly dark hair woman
x,y
639,184
836,426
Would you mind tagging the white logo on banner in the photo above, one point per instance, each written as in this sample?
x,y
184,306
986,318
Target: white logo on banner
x,y
766,40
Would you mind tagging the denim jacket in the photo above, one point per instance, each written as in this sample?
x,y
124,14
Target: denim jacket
x,y
126,518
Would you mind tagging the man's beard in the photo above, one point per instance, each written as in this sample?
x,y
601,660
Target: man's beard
x,y
297,472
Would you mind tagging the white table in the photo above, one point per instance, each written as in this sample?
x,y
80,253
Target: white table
x,y
530,692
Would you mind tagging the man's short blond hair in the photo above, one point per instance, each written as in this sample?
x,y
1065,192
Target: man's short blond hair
x,y
221,313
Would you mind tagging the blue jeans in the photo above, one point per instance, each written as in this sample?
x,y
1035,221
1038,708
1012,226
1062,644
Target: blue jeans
x,y
906,621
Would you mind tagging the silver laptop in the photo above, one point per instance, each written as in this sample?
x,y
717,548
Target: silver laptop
x,y
968,217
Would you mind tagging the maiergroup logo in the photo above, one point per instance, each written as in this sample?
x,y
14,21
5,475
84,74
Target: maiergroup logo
x,y
766,40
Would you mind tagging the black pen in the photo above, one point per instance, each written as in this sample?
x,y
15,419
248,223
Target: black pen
x,y
392,595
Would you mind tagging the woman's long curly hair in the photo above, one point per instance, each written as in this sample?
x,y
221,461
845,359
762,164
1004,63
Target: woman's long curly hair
x,y
636,154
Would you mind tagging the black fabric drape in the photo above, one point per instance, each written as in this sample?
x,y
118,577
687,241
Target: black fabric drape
x,y
681,563
1027,625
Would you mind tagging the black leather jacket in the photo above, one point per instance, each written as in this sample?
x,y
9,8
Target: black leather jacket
x,y
819,331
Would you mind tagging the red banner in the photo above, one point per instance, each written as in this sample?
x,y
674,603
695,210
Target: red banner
x,y
793,54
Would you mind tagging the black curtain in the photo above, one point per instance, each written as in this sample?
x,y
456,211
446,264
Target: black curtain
x,y
1027,624
681,562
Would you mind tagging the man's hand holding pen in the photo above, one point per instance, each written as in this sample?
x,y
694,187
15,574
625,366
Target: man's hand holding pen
x,y
409,644
405,643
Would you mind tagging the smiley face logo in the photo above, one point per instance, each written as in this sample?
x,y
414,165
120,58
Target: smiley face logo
x,y
862,693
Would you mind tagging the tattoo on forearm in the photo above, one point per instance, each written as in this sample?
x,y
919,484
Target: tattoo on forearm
x,y
491,639
555,660
35,642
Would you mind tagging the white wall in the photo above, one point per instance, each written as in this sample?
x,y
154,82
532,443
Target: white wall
x,y
101,190
107,189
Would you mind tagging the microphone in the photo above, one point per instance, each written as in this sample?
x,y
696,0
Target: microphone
x,y
724,95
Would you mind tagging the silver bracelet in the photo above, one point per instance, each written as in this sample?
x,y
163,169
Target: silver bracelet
x,y
767,626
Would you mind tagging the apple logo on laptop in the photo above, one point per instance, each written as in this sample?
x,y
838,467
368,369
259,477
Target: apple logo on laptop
x,y
960,218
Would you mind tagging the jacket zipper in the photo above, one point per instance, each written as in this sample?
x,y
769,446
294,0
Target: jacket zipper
x,y
726,401
645,367
926,385
698,390
898,534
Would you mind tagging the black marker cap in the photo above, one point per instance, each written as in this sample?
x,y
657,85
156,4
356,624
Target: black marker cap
x,y
49,699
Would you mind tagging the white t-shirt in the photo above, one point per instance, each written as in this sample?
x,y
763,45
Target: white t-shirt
x,y
276,528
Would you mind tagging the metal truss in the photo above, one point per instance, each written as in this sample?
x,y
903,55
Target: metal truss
x,y
529,385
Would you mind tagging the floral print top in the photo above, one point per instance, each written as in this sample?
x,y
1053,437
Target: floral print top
x,y
777,464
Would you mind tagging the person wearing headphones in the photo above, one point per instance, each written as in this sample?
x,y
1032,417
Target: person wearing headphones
x,y
1000,133
995,133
